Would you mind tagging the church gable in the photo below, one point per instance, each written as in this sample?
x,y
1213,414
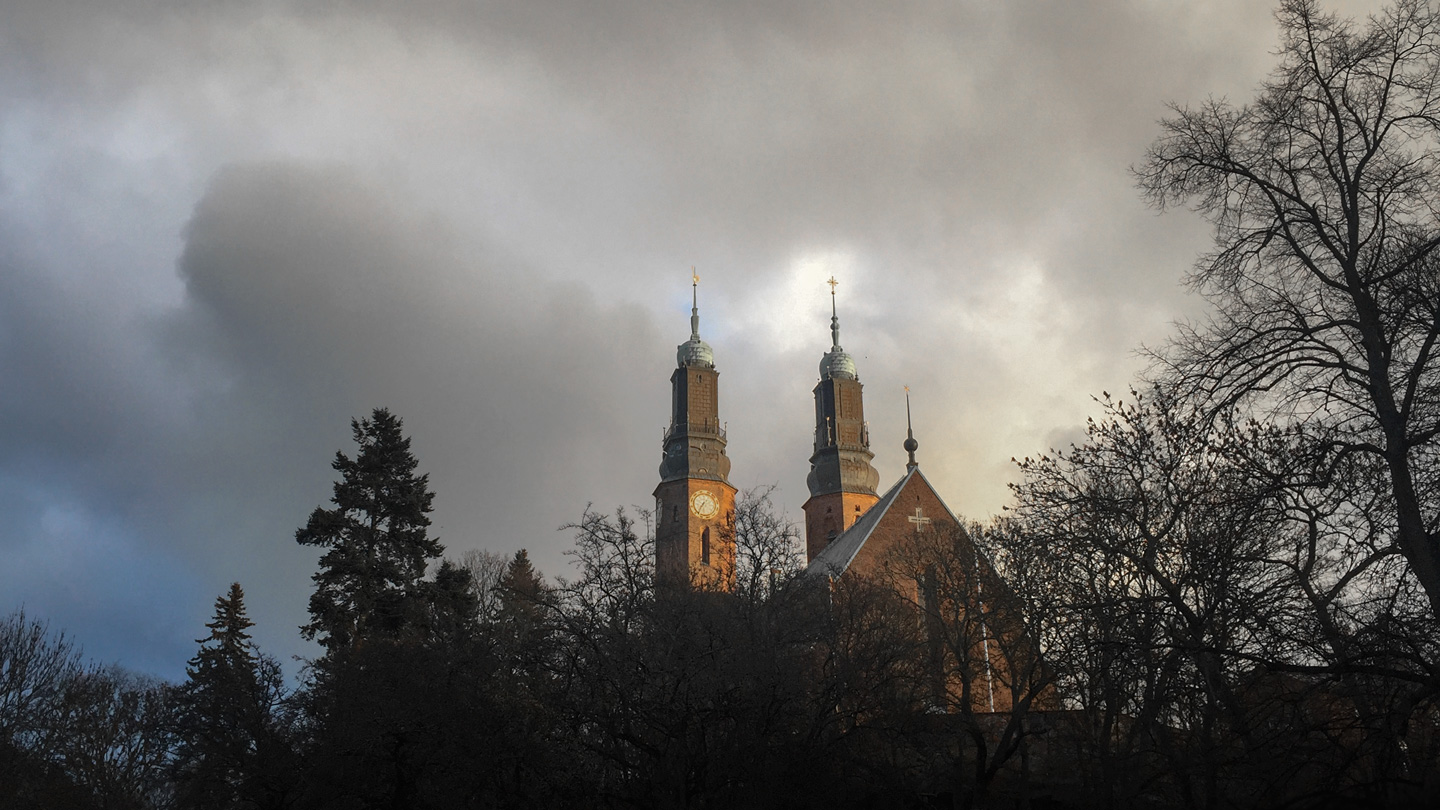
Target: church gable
x,y
909,508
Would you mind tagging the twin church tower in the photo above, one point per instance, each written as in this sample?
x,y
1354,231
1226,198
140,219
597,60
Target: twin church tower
x,y
695,502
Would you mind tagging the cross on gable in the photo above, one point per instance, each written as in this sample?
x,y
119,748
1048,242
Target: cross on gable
x,y
919,519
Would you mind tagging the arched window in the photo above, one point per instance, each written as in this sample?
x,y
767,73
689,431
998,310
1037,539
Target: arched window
x,y
705,546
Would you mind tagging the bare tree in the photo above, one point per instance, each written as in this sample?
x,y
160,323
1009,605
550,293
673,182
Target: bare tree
x,y
616,566
1325,279
1231,599
36,668
116,737
767,546
485,568
1159,543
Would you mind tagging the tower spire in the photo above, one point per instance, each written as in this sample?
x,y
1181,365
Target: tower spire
x,y
694,304
841,480
910,444
834,318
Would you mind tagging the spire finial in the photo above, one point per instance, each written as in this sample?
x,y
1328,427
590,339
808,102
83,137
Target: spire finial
x,y
834,318
694,304
910,444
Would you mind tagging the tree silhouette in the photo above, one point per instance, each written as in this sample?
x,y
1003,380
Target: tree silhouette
x,y
1327,250
376,539
229,752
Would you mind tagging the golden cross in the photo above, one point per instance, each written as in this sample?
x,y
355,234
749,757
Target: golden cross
x,y
907,389
832,282
694,277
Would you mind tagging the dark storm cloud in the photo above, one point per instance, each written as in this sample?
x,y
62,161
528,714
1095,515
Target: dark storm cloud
x,y
227,228
323,299
311,299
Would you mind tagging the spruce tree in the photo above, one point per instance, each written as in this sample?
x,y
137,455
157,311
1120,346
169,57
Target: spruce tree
x,y
376,538
522,593
454,607
521,626
224,714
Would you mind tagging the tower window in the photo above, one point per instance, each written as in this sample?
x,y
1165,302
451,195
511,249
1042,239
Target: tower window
x,y
675,514
705,546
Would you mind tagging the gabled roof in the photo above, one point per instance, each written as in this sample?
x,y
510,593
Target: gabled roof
x,y
835,559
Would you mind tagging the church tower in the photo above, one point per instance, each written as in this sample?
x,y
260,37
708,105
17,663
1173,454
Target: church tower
x,y
694,502
842,482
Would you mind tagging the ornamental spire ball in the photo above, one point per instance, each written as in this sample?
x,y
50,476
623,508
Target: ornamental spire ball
x,y
695,352
836,363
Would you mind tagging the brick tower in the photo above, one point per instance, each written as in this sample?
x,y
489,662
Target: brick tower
x,y
694,502
842,482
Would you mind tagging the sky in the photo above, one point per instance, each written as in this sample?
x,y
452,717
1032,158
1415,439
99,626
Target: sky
x,y
228,228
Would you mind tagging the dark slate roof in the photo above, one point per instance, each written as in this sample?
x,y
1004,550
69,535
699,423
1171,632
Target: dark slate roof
x,y
836,557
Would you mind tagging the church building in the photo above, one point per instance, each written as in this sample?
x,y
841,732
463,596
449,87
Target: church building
x,y
849,525
906,538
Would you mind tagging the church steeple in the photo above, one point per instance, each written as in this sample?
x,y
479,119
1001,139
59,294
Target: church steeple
x,y
694,502
842,482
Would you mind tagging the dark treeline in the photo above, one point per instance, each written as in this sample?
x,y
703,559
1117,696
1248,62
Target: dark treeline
x,y
1226,596
1188,633
484,684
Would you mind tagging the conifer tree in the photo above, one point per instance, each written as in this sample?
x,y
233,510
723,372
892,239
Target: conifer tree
x,y
454,605
521,625
376,538
224,715
520,582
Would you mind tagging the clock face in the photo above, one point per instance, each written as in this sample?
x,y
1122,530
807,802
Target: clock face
x,y
704,505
